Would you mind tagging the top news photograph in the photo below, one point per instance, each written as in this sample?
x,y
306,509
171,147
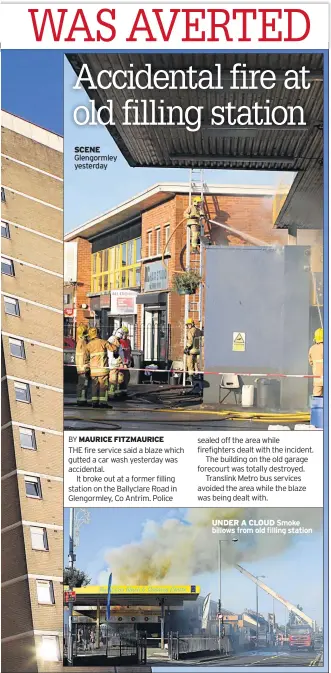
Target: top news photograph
x,y
193,257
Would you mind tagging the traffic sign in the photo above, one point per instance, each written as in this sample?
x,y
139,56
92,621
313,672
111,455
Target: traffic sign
x,y
69,596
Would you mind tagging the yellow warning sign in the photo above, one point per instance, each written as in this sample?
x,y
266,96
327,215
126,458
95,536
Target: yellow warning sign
x,y
239,341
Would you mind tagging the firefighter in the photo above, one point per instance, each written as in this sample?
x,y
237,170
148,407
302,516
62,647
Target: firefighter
x,y
82,365
191,349
116,365
193,221
127,358
316,362
97,349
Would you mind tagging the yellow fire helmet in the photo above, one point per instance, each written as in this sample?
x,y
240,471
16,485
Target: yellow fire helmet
x,y
197,199
81,331
125,329
189,321
318,336
92,333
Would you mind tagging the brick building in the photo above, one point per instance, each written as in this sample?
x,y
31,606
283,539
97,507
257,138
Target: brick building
x,y
77,285
32,399
138,247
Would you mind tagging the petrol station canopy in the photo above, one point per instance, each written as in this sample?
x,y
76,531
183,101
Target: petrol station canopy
x,y
298,149
126,595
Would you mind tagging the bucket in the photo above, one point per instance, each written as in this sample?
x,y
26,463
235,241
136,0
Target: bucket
x,y
268,393
247,396
316,413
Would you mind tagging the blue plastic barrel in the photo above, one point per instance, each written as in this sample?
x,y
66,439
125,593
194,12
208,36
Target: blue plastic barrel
x,y
316,413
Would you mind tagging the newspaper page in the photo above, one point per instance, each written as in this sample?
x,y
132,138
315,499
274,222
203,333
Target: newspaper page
x,y
164,224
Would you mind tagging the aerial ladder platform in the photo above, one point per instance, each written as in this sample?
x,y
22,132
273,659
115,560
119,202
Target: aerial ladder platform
x,y
290,606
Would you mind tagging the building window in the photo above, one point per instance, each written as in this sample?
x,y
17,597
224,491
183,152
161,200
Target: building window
x,y
67,299
16,348
32,487
138,249
50,648
39,538
116,267
28,438
22,392
45,592
12,306
7,266
5,233
149,244
167,237
3,195
158,241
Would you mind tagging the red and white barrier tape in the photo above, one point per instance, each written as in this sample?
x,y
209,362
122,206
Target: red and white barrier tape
x,y
151,371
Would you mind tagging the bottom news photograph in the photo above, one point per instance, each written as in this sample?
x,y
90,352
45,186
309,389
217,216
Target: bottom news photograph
x,y
152,587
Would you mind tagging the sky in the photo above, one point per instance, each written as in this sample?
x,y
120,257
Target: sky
x,y
45,96
287,573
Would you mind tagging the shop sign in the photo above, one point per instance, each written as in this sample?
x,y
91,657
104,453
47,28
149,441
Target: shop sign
x,y
123,302
156,277
105,301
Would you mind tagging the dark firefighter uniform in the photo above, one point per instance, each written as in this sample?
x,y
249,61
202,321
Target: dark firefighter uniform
x,y
97,349
82,365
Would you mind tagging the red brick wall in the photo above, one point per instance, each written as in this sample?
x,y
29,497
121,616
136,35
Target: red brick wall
x,y
84,248
249,214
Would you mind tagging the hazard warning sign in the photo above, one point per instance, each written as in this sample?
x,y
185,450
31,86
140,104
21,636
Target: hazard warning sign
x,y
239,341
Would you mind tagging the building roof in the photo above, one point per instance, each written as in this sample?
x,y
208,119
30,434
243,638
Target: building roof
x,y
32,131
285,147
152,197
136,595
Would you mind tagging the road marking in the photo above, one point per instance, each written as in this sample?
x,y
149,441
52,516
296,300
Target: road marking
x,y
274,656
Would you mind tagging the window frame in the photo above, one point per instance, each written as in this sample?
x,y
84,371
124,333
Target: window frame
x,y
16,342
158,241
116,275
150,243
29,478
6,260
43,535
5,228
167,239
12,302
51,592
19,385
25,431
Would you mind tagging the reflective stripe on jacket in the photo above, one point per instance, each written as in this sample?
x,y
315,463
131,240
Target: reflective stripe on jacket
x,y
192,214
97,350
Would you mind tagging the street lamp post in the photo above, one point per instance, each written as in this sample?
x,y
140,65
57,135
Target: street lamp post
x,y
76,519
72,559
220,588
258,577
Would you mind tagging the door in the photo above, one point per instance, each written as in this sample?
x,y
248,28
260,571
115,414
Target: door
x,y
155,335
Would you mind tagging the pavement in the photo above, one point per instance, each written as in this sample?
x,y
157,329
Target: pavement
x,y
149,407
255,658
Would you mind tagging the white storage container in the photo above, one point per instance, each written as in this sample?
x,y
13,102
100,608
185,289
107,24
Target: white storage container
x,y
247,397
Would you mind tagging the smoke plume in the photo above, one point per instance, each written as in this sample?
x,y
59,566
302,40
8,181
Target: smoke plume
x,y
176,550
